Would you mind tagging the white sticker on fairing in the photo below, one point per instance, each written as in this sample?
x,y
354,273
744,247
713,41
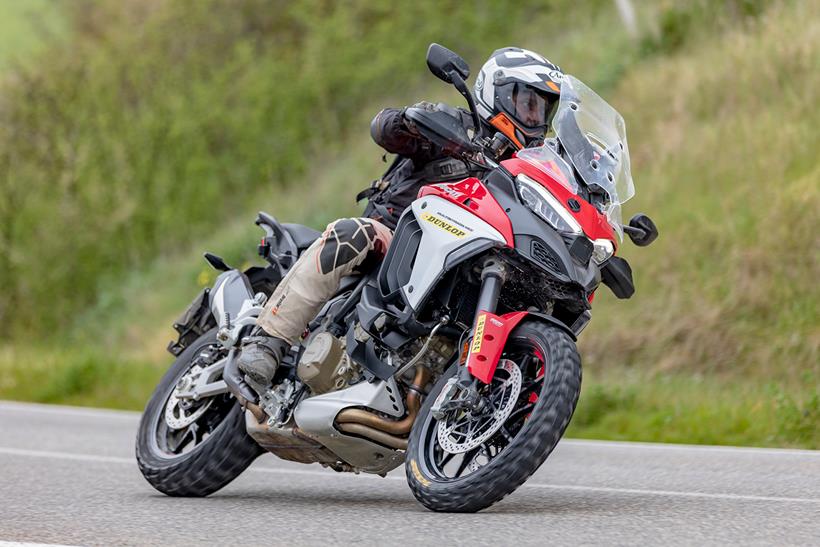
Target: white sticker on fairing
x,y
445,227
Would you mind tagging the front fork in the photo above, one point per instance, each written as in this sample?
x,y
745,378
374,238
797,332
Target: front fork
x,y
461,391
493,276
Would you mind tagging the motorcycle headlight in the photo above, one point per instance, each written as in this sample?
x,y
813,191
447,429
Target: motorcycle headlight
x,y
546,206
602,249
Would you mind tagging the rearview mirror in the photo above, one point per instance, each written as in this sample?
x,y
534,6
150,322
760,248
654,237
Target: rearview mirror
x,y
442,62
641,230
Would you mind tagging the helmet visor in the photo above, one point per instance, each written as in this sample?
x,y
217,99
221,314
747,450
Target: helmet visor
x,y
528,106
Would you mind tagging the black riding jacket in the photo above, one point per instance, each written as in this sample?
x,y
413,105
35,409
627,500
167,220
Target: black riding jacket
x,y
418,162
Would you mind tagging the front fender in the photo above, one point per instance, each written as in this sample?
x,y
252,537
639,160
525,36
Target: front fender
x,y
490,337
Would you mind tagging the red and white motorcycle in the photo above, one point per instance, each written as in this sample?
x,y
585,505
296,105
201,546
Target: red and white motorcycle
x,y
457,357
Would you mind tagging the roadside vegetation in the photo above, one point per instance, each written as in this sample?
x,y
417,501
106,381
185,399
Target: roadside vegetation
x,y
27,28
125,156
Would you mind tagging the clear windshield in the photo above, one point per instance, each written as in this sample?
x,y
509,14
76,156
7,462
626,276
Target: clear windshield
x,y
593,135
547,160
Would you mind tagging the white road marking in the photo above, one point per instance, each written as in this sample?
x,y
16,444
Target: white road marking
x,y
25,544
750,450
90,412
325,475
65,456
672,493
61,410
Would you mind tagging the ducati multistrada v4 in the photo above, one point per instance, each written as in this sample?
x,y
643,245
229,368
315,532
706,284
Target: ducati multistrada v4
x,y
456,357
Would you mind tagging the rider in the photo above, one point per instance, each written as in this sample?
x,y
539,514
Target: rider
x,y
516,93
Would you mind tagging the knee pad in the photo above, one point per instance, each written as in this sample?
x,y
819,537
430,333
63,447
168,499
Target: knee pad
x,y
346,240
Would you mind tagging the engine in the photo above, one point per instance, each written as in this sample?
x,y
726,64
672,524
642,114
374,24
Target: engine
x,y
325,365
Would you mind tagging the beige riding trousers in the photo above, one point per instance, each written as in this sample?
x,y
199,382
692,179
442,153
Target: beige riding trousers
x,y
316,276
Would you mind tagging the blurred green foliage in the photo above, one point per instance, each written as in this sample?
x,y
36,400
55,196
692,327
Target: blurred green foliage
x,y
798,415
677,23
163,118
166,124
678,407
27,27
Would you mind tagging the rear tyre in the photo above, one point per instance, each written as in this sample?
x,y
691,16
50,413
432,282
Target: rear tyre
x,y
533,418
199,459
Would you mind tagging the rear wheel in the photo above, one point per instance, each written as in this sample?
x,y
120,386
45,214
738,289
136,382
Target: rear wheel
x,y
193,448
468,461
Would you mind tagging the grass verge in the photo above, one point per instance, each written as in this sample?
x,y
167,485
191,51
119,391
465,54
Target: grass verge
x,y
631,405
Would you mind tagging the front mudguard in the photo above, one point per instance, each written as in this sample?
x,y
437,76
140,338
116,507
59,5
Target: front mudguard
x,y
490,337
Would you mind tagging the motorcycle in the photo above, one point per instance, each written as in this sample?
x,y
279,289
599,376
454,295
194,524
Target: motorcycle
x,y
455,357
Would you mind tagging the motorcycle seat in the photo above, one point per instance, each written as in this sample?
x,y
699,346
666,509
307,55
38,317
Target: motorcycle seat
x,y
302,235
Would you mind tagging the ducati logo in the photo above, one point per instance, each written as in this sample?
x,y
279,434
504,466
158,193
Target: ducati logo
x,y
444,225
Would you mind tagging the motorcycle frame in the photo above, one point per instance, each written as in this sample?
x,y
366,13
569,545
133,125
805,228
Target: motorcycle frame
x,y
450,225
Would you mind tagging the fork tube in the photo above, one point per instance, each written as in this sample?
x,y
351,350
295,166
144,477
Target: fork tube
x,y
492,279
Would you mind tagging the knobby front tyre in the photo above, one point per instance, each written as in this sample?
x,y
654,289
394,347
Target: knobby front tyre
x,y
550,386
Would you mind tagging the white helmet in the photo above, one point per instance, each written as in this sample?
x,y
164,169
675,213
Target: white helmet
x,y
517,93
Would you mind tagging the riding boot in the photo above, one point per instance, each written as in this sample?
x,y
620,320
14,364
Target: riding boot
x,y
260,357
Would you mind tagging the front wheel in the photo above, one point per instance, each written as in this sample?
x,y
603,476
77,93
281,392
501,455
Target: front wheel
x,y
467,461
193,448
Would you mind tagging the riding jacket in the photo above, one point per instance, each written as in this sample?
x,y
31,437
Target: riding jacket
x,y
418,162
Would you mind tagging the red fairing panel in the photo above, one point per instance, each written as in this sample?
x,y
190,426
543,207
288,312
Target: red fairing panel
x,y
471,194
491,332
594,223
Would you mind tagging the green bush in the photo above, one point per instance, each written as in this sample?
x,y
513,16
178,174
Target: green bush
x,y
599,401
159,120
153,123
681,22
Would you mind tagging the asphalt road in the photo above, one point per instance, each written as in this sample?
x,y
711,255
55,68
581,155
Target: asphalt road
x,y
68,476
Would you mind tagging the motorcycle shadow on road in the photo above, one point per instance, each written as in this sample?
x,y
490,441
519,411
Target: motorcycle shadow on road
x,y
295,500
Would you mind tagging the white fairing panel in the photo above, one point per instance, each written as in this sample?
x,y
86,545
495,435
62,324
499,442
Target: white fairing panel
x,y
445,228
229,294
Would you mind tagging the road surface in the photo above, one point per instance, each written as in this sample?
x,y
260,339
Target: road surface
x,y
68,476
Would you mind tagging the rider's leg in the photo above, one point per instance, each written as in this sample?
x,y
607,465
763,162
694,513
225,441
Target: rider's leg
x,y
315,277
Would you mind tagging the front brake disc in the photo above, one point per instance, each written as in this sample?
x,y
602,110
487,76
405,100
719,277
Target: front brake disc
x,y
462,431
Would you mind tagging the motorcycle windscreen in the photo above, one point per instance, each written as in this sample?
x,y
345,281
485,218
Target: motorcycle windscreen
x,y
593,135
